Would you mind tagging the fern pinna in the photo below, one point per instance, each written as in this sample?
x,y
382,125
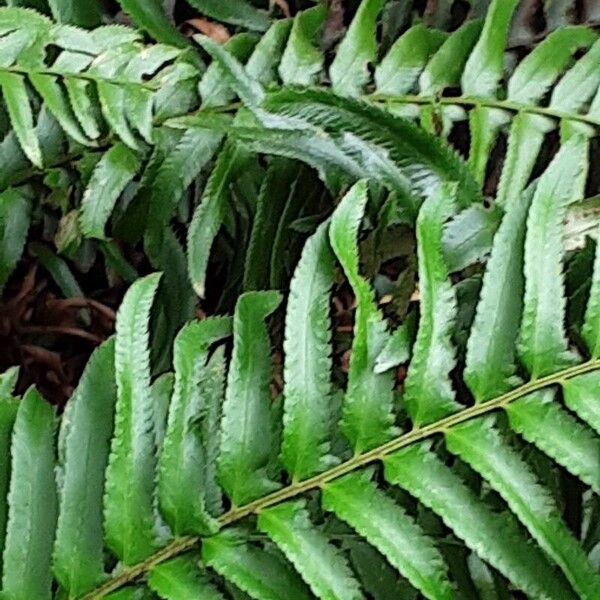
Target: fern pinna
x,y
202,482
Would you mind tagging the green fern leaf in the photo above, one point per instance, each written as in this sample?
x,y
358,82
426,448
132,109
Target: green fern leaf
x,y
579,85
15,215
421,158
131,593
32,503
496,536
49,89
319,563
581,396
84,13
542,344
210,213
302,59
181,579
537,72
524,143
367,416
398,348
480,445
129,497
21,116
385,525
244,455
214,87
161,391
307,368
591,326
149,16
183,460
263,575
240,13
248,89
86,430
428,390
541,421
263,62
447,64
8,414
349,71
114,171
179,168
400,69
490,361
8,382
277,188
483,69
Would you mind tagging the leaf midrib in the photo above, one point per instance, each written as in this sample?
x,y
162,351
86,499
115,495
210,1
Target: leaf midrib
x,y
180,545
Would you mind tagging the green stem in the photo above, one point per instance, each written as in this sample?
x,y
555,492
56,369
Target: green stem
x,y
507,105
181,545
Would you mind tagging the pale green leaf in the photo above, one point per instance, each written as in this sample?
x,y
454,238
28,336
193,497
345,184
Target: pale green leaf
x,y
210,214
263,62
15,216
525,139
447,64
261,574
130,520
497,537
349,71
308,403
302,59
240,12
31,503
319,563
541,421
48,88
480,445
537,72
398,348
579,85
248,89
181,579
114,171
591,326
490,362
21,116
483,69
183,463
8,413
385,525
367,416
542,345
244,454
214,87
399,71
86,430
428,394
581,396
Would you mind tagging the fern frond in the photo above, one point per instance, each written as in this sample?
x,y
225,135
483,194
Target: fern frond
x,y
367,417
308,410
86,431
130,520
32,503
319,563
428,392
243,455
184,459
